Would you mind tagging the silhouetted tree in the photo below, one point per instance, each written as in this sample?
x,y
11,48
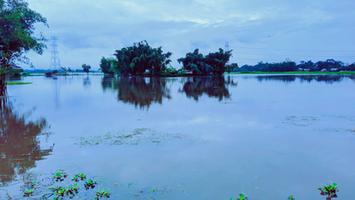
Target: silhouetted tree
x,y
86,68
328,65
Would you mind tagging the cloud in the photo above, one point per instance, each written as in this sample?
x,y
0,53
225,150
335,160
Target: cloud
x,y
269,30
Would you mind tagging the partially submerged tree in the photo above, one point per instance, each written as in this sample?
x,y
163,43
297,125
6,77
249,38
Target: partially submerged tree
x,y
108,65
142,58
213,63
17,32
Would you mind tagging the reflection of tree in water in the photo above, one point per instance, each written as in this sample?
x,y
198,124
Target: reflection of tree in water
x,y
86,81
214,86
138,91
19,145
303,78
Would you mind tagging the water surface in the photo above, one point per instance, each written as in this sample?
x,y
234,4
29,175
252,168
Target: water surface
x,y
184,138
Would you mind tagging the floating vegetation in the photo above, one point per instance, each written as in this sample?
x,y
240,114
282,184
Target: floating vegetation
x,y
90,184
301,121
135,137
58,191
330,191
28,192
59,175
102,194
79,177
59,186
241,197
291,197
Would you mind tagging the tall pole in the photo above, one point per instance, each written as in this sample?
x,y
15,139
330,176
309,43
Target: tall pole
x,y
55,61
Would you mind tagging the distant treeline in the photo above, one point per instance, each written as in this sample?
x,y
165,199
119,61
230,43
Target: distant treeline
x,y
287,66
142,59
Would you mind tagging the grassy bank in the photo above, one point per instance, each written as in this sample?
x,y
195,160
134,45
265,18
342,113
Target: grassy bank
x,y
300,73
17,83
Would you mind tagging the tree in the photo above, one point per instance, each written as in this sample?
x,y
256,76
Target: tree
x,y
108,65
351,67
328,65
17,35
141,58
232,67
213,63
86,68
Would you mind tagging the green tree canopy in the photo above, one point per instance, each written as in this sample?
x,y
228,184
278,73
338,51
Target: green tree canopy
x,y
108,65
213,63
141,58
17,34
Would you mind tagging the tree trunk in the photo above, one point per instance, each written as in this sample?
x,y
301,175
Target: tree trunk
x,y
3,96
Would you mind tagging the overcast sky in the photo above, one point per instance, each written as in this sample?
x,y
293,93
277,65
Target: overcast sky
x,y
256,30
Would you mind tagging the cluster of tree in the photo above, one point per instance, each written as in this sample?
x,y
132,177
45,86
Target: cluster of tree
x,y
327,65
141,59
17,22
212,63
108,65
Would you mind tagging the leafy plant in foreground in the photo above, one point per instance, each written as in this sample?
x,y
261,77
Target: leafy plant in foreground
x,y
90,184
72,190
28,192
59,175
330,191
291,197
58,191
241,197
79,177
102,194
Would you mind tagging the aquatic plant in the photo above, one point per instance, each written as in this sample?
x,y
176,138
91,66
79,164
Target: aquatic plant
x,y
28,192
72,190
330,191
90,184
291,197
241,197
58,191
59,175
102,194
79,177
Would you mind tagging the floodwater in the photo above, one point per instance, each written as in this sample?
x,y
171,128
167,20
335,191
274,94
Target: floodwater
x,y
184,138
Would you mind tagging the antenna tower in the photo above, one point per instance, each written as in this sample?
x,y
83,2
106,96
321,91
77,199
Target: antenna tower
x,y
55,61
